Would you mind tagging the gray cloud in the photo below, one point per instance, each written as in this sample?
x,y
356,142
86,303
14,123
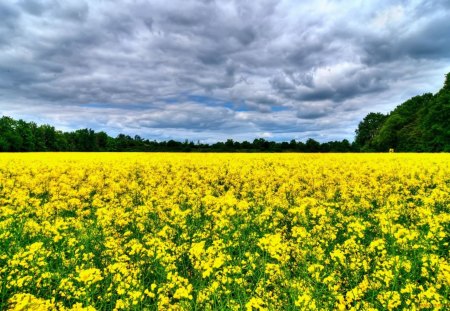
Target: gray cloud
x,y
210,70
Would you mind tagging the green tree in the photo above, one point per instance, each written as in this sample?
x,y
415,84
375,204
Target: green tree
x,y
367,129
437,121
102,141
10,138
312,145
25,131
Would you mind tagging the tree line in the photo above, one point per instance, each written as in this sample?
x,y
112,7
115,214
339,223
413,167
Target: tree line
x,y
421,124
22,136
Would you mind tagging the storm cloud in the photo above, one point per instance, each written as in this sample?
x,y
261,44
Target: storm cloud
x,y
211,70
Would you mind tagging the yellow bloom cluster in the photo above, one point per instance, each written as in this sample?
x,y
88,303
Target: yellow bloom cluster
x,y
224,231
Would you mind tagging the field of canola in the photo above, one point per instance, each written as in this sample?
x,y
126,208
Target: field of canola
x,y
224,231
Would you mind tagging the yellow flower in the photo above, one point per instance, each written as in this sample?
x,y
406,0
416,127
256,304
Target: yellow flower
x,y
90,276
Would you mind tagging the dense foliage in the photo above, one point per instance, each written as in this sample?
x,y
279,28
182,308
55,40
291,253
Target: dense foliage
x,y
421,124
224,231
27,136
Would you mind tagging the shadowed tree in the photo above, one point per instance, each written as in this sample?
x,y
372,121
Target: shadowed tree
x,y
312,145
437,121
367,129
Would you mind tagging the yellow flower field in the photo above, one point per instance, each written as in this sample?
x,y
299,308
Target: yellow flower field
x,y
96,231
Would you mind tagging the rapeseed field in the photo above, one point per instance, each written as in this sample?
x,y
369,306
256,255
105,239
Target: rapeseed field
x,y
224,231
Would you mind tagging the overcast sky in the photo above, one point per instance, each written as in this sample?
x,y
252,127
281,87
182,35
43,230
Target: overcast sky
x,y
210,70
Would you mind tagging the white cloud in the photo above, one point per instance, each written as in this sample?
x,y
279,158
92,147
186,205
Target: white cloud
x,y
210,70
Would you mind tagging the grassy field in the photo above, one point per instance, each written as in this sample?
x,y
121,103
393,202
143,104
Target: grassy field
x,y
249,232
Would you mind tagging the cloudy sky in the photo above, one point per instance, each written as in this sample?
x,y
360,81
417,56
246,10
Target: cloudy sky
x,y
210,70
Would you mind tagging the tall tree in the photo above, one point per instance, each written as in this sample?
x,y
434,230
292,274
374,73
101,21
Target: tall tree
x,y
25,131
367,129
312,145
